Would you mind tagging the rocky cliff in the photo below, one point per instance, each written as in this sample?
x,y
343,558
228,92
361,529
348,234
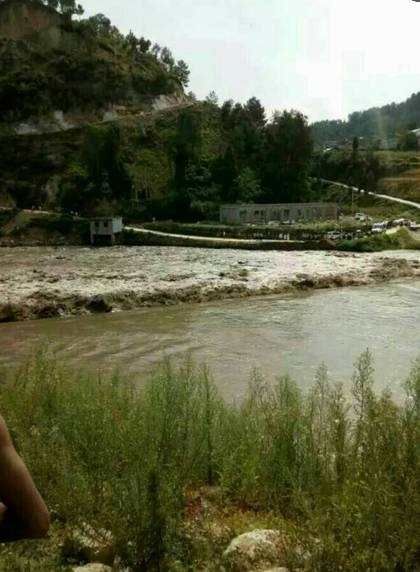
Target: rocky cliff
x,y
61,78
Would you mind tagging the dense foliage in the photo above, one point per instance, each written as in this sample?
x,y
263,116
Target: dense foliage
x,y
378,123
88,66
66,7
181,167
361,170
344,471
200,157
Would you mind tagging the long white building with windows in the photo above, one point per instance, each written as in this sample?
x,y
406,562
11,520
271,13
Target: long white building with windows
x,y
281,212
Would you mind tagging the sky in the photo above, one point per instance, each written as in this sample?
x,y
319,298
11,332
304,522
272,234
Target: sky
x,y
326,58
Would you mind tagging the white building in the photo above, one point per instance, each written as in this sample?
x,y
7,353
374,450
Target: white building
x,y
281,212
103,230
417,134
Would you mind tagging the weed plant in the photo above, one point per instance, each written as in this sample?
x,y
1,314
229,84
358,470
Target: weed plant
x,y
345,471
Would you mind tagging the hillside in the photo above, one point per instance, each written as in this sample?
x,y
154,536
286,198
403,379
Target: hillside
x,y
93,121
378,124
64,82
54,69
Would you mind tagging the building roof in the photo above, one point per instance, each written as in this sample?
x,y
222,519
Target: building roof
x,y
104,218
252,205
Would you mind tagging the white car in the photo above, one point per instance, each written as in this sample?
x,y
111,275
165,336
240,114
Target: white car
x,y
361,217
379,227
333,235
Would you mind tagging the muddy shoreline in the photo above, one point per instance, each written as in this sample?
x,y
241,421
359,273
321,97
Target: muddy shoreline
x,y
39,283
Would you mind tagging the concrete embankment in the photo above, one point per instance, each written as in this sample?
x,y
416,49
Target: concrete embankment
x,y
144,237
52,282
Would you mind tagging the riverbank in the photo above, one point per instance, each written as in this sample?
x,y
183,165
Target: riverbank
x,y
52,282
166,478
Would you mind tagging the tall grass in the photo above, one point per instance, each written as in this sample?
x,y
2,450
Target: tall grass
x,y
347,472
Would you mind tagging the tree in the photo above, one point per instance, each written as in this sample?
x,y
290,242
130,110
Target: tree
x,y
409,142
212,98
167,58
248,186
156,49
255,112
70,8
144,45
225,173
67,7
99,24
226,112
101,177
287,157
181,72
187,144
355,146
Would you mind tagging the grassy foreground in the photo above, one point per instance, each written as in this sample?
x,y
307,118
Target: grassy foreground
x,y
344,475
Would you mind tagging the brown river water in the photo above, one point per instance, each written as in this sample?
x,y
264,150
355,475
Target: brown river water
x,y
289,332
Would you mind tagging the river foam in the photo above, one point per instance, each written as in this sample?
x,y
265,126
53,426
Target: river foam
x,y
43,282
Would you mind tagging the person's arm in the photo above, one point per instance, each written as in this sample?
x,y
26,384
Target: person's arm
x,y
23,513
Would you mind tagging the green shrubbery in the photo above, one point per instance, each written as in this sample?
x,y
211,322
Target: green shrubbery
x,y
402,239
345,471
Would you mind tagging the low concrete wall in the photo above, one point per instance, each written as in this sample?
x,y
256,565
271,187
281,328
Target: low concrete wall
x,y
151,239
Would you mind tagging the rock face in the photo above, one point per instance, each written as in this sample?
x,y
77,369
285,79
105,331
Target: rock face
x,y
21,19
256,551
89,545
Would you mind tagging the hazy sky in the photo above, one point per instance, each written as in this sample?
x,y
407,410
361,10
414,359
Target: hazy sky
x,y
326,58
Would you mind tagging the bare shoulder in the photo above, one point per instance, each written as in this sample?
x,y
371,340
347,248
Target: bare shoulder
x,y
4,433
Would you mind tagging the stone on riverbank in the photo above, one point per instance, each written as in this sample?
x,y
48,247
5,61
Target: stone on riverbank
x,y
89,545
256,551
96,567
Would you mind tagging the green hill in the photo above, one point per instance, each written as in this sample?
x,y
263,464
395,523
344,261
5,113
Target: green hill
x,y
377,124
50,63
92,121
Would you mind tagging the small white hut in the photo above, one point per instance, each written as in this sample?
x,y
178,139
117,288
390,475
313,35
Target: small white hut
x,y
103,230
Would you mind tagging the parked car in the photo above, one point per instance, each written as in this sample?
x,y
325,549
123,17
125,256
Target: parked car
x,y
361,217
333,235
379,227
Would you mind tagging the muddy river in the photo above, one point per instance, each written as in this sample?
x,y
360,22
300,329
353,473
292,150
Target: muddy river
x,y
289,332
55,282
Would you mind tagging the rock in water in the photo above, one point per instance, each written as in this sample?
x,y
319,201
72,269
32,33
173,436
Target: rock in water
x,y
256,551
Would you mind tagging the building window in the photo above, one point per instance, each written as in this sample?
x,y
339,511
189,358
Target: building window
x,y
96,224
106,224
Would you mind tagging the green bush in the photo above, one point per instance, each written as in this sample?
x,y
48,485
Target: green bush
x,y
346,472
402,239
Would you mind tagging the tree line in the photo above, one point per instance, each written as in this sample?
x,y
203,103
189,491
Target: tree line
x,y
256,160
261,160
378,123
